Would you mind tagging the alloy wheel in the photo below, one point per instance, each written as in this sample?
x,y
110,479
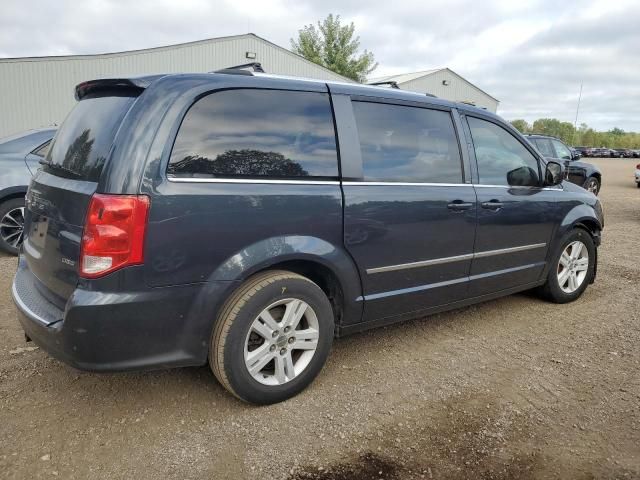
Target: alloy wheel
x,y
573,266
12,227
281,341
592,186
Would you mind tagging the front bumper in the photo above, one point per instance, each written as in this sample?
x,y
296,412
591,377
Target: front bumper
x,y
116,331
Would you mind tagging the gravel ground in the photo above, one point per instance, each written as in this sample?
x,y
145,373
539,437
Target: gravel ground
x,y
513,388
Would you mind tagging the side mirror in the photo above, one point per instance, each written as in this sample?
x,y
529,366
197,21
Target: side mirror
x,y
553,174
576,155
522,177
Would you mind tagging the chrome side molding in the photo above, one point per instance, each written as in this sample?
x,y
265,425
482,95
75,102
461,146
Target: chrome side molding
x,y
457,258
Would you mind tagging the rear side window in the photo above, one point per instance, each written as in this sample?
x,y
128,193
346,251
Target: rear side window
x,y
407,144
257,133
544,147
502,160
561,150
82,143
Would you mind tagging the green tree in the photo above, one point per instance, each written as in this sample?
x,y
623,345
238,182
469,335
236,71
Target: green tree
x,y
521,125
333,46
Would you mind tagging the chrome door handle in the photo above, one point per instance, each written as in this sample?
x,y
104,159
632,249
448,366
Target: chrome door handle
x,y
492,205
459,205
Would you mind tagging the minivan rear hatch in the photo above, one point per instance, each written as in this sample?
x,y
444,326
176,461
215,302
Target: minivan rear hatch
x,y
61,190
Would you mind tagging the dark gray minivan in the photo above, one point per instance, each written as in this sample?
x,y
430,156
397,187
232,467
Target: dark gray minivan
x,y
246,219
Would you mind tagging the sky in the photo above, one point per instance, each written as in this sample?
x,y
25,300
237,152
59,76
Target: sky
x,y
533,56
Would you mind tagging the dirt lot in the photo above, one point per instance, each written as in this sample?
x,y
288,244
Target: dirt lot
x,y
514,388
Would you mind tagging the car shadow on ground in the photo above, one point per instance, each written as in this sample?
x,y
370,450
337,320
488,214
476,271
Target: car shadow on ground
x,y
198,384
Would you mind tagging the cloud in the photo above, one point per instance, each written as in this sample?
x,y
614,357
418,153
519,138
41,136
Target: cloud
x,y
532,56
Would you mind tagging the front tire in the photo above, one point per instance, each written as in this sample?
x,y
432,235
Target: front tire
x,y
11,225
272,337
572,268
592,184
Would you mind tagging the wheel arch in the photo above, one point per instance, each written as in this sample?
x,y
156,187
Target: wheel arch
x,y
327,265
13,192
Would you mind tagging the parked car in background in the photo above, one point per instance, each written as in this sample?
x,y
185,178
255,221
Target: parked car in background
x,y
219,218
587,175
614,153
583,151
19,157
638,175
625,152
575,154
635,153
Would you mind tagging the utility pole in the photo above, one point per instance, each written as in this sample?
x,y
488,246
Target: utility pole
x,y
575,123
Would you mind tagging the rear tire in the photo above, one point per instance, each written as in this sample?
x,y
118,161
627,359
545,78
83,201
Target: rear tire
x,y
572,268
272,337
11,225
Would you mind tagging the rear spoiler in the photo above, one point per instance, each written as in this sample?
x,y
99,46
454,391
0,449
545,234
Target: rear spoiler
x,y
135,85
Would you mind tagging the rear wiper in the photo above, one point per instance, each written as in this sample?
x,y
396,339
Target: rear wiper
x,y
59,168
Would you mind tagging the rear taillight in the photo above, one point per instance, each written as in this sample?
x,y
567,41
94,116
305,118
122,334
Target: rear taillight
x,y
113,234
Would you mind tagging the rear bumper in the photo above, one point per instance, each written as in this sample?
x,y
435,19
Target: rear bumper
x,y
109,331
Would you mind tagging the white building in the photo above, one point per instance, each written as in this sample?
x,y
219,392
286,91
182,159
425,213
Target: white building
x,y
39,91
443,83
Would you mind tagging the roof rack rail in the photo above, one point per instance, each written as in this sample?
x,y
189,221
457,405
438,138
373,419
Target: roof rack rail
x,y
391,83
430,95
240,69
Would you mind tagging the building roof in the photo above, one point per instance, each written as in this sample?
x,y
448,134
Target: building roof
x,y
408,77
168,47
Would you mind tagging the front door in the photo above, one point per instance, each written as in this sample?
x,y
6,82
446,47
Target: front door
x,y
410,220
516,214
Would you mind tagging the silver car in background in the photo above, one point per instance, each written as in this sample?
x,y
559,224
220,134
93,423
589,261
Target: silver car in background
x,y
20,155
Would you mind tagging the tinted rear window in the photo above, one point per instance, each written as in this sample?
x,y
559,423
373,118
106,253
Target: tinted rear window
x,y
257,133
82,144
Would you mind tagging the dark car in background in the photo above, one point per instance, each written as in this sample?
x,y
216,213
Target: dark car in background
x,y
19,157
587,175
583,151
244,220
624,152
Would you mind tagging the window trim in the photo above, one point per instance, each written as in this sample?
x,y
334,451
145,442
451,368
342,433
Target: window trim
x,y
530,148
465,177
37,149
320,180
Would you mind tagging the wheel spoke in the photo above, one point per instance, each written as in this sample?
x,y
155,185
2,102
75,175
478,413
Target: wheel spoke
x,y
294,312
562,278
13,223
304,344
307,334
576,249
260,363
565,259
573,282
257,354
582,264
262,330
268,319
284,368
